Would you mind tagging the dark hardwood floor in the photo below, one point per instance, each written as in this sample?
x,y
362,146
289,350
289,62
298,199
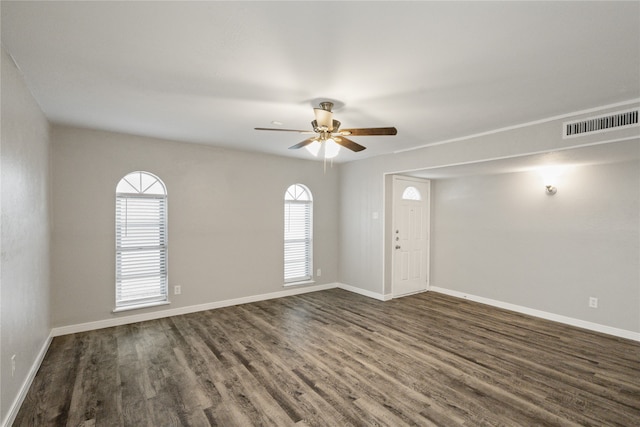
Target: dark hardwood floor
x,y
334,358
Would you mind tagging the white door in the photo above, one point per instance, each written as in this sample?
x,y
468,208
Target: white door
x,y
410,235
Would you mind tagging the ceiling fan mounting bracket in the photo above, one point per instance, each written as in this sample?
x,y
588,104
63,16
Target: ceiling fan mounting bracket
x,y
326,105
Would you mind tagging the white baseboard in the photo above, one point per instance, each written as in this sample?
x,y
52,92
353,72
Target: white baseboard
x,y
26,384
125,320
622,333
366,293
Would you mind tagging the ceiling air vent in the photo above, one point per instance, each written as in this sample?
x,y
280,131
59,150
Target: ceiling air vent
x,y
610,121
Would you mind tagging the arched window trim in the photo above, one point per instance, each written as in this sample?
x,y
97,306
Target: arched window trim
x,y
298,192
298,234
141,242
141,183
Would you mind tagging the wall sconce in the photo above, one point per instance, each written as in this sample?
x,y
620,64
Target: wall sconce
x,y
550,175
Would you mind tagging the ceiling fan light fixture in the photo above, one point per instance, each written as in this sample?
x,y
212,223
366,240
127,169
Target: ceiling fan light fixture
x,y
331,148
314,148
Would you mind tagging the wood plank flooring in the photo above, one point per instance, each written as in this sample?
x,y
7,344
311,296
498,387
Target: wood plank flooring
x,y
334,358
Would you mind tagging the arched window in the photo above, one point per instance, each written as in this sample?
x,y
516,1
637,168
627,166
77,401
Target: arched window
x,y
141,241
411,193
298,231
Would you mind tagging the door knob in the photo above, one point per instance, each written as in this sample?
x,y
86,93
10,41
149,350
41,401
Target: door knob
x,y
397,246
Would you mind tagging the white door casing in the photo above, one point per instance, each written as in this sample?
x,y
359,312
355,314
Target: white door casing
x,y
410,235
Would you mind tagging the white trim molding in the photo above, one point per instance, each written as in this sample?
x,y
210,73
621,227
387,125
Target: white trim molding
x,y
622,333
523,125
12,413
366,293
107,323
289,291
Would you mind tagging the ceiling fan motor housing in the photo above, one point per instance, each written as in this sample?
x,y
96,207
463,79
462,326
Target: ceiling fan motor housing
x,y
335,125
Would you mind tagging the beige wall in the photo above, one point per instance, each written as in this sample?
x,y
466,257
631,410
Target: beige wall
x,y
364,265
24,192
503,238
225,219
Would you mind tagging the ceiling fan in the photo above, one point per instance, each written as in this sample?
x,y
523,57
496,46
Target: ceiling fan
x,y
329,135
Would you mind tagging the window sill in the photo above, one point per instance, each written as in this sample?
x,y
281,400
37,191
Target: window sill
x,y
139,306
304,282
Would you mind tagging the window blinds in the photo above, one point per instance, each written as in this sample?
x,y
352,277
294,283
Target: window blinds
x,y
141,249
297,240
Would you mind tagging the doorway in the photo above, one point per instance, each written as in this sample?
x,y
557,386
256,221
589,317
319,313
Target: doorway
x,y
410,235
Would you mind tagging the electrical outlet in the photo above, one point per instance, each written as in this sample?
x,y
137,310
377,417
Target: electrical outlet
x,y
319,273
13,364
177,290
593,302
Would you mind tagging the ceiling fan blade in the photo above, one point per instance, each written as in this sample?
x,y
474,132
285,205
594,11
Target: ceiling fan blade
x,y
303,143
347,143
369,131
286,130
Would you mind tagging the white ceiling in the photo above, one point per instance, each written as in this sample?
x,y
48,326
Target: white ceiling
x,y
209,72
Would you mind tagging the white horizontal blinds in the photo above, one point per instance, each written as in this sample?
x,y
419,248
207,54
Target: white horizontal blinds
x,y
298,228
141,240
297,241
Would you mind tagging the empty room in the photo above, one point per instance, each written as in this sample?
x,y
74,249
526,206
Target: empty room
x,y
324,213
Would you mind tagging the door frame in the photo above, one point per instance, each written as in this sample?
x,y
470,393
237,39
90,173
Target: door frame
x,y
389,225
